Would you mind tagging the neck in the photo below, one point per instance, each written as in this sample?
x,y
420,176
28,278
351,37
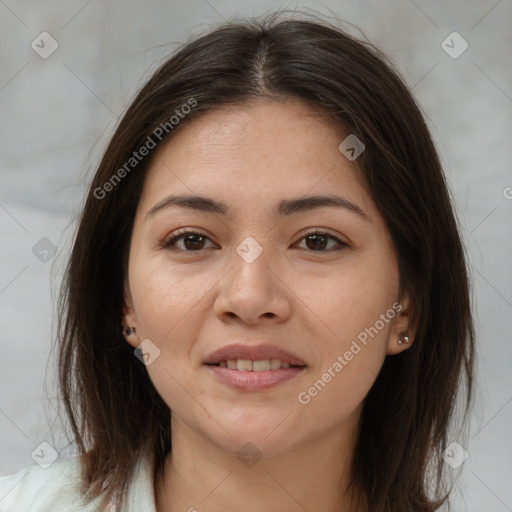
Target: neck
x,y
199,475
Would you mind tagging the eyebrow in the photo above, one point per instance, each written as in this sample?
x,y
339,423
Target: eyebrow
x,y
284,208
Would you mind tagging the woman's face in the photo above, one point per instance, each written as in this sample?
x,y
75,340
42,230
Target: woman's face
x,y
254,274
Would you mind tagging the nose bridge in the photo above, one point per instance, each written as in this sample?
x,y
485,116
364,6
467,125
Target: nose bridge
x,y
252,287
252,261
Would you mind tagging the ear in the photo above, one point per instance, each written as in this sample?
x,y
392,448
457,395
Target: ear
x,y
402,323
129,318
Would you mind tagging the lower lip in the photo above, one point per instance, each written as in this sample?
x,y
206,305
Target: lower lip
x,y
254,381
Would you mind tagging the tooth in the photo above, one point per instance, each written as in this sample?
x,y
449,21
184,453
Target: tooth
x,y
244,365
247,365
261,366
275,364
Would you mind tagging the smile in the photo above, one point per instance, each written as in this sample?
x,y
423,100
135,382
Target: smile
x,y
261,365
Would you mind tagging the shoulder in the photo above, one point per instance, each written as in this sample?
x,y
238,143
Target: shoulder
x,y
58,489
33,489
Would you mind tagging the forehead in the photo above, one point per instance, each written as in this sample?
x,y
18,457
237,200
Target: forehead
x,y
259,152
264,128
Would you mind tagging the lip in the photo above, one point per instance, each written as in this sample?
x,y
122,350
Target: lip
x,y
251,380
254,381
253,353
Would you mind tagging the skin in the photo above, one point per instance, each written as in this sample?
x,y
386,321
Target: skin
x,y
311,302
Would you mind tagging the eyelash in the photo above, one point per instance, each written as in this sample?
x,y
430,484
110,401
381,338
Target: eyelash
x,y
170,242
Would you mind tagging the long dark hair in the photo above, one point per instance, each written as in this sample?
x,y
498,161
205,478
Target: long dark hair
x,y
113,408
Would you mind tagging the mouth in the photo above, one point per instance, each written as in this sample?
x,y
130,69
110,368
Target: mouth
x,y
261,365
253,368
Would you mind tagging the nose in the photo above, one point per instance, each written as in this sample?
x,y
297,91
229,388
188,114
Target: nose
x,y
253,290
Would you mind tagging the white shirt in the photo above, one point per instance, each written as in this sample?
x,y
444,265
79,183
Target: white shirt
x,y
34,489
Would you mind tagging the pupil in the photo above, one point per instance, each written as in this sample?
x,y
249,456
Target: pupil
x,y
188,238
316,240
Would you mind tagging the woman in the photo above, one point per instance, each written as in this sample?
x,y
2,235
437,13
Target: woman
x,y
266,305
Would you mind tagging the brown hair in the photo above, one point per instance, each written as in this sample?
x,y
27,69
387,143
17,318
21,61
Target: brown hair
x,y
113,408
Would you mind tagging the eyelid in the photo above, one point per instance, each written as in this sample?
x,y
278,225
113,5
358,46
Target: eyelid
x,y
179,234
323,231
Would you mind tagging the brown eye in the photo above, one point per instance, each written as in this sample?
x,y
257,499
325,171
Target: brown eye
x,y
192,241
318,241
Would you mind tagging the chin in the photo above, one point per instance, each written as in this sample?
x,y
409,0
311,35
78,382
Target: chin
x,y
272,437
252,419
254,446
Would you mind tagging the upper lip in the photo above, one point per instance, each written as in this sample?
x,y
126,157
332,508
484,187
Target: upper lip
x,y
253,353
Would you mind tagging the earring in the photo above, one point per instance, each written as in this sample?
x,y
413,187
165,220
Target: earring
x,y
403,338
129,331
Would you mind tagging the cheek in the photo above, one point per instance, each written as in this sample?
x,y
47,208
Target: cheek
x,y
350,301
167,310
335,396
350,361
167,301
357,317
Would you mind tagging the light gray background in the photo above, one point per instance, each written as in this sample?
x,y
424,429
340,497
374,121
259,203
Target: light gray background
x,y
58,113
